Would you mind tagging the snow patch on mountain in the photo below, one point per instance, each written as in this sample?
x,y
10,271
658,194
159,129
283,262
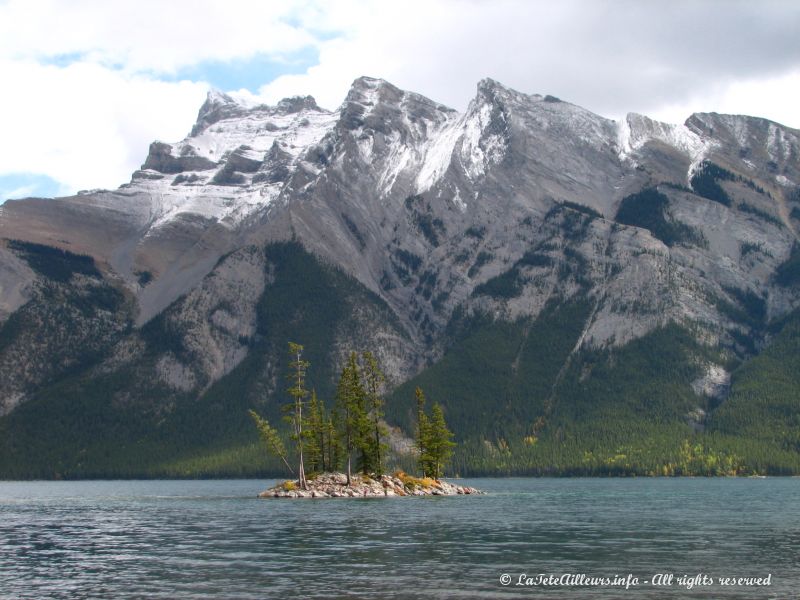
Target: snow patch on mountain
x,y
438,153
259,129
637,130
479,151
778,146
247,134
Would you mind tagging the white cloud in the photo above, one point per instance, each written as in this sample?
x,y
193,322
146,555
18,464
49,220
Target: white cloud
x,y
610,57
774,98
150,35
82,97
85,125
88,123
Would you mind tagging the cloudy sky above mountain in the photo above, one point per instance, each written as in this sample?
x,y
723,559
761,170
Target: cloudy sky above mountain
x,y
88,84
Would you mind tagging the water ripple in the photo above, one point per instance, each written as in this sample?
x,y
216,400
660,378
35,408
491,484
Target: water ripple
x,y
212,539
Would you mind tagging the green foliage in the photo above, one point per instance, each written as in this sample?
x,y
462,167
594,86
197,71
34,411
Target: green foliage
x,y
404,264
763,409
477,232
426,285
749,248
675,186
535,259
423,428
434,441
587,210
314,430
614,412
496,375
164,334
439,444
355,231
431,227
511,283
480,260
351,412
144,277
81,319
271,439
763,215
704,182
375,447
754,306
508,284
574,224
648,209
294,410
788,272
408,259
54,263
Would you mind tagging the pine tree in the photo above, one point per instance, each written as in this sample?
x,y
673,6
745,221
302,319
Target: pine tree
x,y
334,444
423,434
315,430
434,440
350,410
298,393
439,442
374,446
271,438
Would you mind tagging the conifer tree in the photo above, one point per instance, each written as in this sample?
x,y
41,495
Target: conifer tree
x,y
423,429
350,410
298,393
271,439
334,444
439,442
315,433
434,440
374,447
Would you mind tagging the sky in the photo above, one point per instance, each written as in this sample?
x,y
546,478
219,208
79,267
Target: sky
x,y
88,84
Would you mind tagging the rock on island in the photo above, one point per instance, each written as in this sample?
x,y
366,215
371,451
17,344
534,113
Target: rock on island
x,y
334,485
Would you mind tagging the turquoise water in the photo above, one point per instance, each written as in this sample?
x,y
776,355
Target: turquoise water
x,y
215,539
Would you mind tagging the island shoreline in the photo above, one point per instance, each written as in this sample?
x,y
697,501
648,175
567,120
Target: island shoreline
x,y
335,485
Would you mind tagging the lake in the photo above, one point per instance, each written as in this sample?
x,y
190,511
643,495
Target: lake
x,y
587,538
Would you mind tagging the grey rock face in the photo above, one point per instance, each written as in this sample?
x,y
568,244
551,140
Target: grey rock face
x,y
216,319
715,383
433,210
161,159
16,278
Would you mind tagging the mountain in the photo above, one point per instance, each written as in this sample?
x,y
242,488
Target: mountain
x,y
581,295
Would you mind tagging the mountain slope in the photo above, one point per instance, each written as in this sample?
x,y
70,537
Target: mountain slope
x,y
499,256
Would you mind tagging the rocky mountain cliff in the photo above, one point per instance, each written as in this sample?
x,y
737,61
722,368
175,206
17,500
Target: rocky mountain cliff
x,y
398,224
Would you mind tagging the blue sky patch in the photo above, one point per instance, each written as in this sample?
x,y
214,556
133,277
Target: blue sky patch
x,y
63,60
248,73
28,185
226,75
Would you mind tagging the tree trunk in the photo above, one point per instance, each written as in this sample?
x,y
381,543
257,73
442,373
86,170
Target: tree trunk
x,y
378,468
301,469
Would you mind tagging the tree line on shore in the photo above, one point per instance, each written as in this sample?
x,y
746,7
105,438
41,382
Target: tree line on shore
x,y
324,440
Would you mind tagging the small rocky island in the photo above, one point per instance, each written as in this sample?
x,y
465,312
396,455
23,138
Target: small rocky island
x,y
334,485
